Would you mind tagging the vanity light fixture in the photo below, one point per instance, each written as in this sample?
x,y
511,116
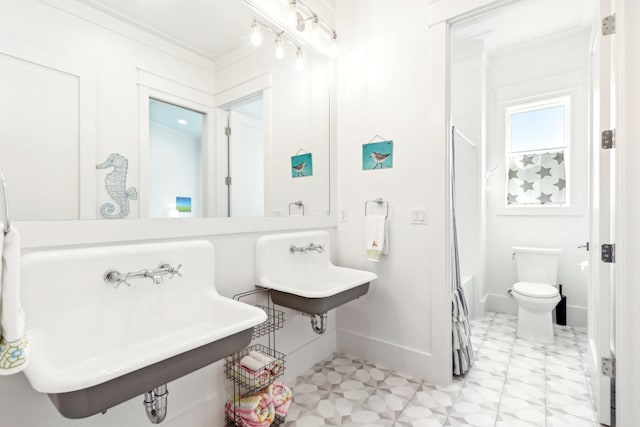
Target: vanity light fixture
x,y
299,60
256,36
279,48
302,13
293,13
315,28
333,49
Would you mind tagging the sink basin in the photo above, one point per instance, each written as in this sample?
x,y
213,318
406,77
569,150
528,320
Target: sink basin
x,y
306,281
94,346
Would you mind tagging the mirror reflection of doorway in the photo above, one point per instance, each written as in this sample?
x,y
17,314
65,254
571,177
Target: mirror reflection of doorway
x,y
176,159
246,153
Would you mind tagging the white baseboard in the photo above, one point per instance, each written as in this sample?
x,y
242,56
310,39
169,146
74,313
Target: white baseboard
x,y
409,361
576,315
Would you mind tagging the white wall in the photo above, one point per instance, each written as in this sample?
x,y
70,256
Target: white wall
x,y
176,170
298,117
107,66
383,75
558,64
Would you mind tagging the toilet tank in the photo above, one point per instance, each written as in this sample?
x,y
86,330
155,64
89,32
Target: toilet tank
x,y
538,265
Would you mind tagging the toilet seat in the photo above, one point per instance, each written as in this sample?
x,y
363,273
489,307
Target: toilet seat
x,y
535,290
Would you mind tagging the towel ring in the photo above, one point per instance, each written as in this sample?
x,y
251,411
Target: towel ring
x,y
297,203
5,203
379,201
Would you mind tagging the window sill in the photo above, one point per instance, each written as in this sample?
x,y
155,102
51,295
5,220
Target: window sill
x,y
540,210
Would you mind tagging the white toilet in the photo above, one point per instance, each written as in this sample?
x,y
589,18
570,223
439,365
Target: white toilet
x,y
536,291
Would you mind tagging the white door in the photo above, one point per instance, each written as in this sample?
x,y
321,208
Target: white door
x,y
246,165
601,274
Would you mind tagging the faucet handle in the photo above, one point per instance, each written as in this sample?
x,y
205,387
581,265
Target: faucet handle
x,y
175,271
168,269
115,278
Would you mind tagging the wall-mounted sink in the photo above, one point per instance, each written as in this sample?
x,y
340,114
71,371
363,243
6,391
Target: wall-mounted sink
x,y
94,346
298,270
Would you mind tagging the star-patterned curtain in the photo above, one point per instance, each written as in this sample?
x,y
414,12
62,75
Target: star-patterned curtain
x,y
537,179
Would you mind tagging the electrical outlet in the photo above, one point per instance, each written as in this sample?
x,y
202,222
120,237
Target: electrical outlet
x,y
344,215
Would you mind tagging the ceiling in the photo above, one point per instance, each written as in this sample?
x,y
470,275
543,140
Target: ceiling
x,y
169,114
211,28
525,20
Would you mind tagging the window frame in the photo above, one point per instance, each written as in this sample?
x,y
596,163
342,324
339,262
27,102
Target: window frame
x,y
527,106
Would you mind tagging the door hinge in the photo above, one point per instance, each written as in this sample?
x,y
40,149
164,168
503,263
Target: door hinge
x,y
227,180
609,25
608,367
608,253
608,139
227,131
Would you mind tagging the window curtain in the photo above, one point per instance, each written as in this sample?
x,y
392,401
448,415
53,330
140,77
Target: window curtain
x,y
537,179
462,348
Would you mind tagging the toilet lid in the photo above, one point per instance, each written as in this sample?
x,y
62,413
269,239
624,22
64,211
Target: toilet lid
x,y
535,290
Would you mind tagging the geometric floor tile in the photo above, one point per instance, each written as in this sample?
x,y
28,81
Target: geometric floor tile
x,y
512,383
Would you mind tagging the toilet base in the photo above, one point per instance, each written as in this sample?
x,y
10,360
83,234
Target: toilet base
x,y
535,326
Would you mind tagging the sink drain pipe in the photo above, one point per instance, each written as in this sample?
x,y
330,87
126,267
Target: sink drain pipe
x,y
155,404
319,323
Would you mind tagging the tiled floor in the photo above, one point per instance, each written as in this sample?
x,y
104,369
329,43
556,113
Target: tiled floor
x,y
512,383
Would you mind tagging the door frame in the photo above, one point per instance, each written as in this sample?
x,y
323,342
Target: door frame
x,y
443,13
165,90
226,98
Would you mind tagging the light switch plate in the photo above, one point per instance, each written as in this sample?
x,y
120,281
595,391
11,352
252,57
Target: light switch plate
x,y
419,216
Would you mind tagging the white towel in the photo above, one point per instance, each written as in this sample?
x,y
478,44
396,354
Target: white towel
x,y
251,363
376,237
14,346
261,357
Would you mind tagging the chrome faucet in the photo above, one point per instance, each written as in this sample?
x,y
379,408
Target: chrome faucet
x,y
305,249
115,278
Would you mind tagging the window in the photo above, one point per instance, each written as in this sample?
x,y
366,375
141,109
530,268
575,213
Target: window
x,y
537,148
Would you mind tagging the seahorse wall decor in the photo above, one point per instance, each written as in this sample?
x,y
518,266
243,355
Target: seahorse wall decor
x,y
115,182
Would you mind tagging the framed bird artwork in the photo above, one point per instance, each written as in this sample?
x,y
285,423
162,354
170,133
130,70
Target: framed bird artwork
x,y
377,155
301,165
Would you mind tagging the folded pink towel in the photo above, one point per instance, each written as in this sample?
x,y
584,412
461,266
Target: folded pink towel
x,y
253,411
281,397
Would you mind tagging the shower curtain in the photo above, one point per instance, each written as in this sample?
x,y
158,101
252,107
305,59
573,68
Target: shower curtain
x,y
462,348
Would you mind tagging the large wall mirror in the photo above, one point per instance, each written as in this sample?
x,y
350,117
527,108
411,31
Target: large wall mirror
x,y
117,109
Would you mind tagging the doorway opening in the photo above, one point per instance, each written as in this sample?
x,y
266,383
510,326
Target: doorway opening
x,y
523,88
176,148
245,148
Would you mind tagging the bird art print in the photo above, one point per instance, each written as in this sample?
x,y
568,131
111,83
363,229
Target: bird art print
x,y
377,155
301,165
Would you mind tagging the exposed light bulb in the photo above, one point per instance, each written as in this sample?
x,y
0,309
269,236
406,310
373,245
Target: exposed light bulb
x,y
183,122
333,49
315,29
279,49
299,60
256,36
293,13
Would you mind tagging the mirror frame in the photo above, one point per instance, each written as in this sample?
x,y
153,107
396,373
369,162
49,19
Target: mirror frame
x,y
44,234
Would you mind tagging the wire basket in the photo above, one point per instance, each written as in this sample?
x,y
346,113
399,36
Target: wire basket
x,y
253,381
275,321
279,420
